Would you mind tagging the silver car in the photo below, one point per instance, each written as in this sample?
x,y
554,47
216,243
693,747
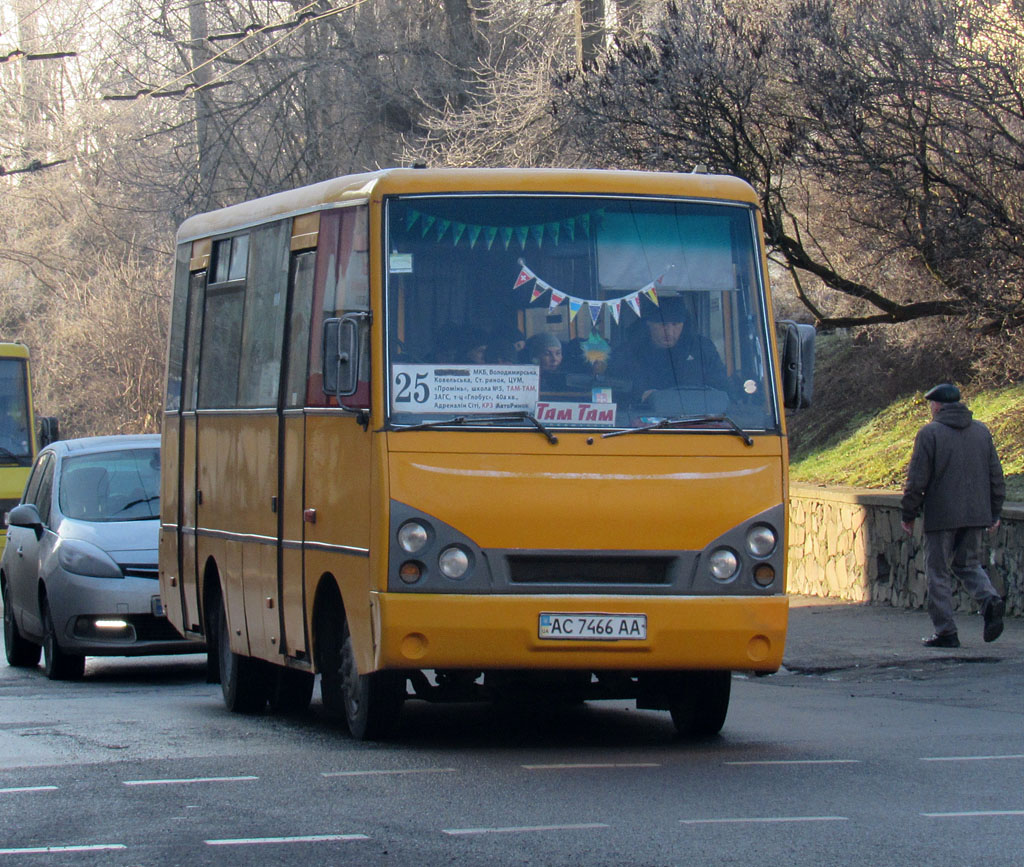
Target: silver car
x,y
79,573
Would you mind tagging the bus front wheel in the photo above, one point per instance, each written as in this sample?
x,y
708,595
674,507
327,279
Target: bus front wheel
x,y
242,678
369,703
699,702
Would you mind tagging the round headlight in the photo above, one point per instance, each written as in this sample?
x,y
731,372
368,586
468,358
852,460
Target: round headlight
x,y
453,562
724,564
761,540
412,536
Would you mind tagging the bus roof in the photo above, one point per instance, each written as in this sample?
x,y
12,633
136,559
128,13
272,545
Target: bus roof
x,y
375,185
13,350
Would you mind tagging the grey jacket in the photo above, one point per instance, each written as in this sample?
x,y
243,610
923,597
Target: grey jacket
x,y
954,473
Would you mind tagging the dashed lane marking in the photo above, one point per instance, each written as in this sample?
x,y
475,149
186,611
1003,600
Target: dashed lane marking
x,y
762,820
19,789
522,829
188,781
45,850
311,838
399,771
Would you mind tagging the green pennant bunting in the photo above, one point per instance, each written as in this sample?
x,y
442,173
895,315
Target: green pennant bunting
x,y
411,218
428,221
506,235
490,232
442,227
538,233
457,231
474,233
522,232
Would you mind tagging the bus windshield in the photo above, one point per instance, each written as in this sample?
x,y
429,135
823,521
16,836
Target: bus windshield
x,y
15,436
581,312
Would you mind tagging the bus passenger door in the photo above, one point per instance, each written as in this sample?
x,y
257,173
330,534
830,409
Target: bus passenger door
x,y
188,568
291,587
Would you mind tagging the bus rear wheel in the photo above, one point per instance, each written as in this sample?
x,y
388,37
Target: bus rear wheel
x,y
369,703
699,702
242,678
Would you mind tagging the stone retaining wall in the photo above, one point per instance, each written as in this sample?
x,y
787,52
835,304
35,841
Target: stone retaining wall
x,y
847,543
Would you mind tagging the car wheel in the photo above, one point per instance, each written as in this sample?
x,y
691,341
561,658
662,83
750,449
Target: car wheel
x,y
242,678
57,664
369,703
20,651
699,702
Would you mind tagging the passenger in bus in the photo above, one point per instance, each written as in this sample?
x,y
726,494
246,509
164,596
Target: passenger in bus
x,y
666,352
13,430
545,350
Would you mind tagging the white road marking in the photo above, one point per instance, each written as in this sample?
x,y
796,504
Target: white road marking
x,y
20,789
522,829
187,781
763,820
388,772
312,838
972,758
799,762
43,850
973,813
576,765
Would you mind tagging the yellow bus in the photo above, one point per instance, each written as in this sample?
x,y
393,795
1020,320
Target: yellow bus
x,y
458,434
17,426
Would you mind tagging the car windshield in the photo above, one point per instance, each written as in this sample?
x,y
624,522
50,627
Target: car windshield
x,y
577,311
111,486
15,437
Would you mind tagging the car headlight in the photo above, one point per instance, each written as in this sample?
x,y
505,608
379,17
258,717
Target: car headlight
x,y
724,564
84,558
453,562
761,540
412,536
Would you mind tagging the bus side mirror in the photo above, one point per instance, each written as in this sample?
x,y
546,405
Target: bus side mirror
x,y
796,357
341,356
49,430
26,515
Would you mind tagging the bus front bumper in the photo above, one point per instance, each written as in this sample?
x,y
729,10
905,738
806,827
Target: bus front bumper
x,y
486,632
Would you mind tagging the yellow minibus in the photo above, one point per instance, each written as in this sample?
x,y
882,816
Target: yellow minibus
x,y
461,434
17,437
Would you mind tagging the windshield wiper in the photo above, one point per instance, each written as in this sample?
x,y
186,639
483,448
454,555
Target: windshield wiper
x,y
7,455
684,420
484,419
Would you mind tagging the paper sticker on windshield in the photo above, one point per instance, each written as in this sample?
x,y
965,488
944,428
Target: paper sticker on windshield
x,y
590,414
427,388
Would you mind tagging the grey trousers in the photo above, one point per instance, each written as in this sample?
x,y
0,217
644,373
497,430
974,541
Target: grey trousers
x,y
950,553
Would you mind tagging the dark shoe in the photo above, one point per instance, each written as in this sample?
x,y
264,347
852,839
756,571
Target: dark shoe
x,y
949,640
995,608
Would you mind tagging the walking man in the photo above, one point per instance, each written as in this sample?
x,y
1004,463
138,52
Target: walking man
x,y
956,478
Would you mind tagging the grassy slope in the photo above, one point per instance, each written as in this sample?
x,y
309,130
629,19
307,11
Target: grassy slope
x,y
840,443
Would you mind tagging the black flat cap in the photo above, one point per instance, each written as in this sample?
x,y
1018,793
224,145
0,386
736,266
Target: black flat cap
x,y
944,393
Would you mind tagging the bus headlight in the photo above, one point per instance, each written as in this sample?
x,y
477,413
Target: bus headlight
x,y
412,536
453,562
761,540
724,564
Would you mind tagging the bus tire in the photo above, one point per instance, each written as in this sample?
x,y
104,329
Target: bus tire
x,y
57,664
21,652
291,690
242,678
699,702
368,703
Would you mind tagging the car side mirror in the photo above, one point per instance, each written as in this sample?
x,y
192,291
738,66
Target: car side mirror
x,y
341,354
26,515
796,358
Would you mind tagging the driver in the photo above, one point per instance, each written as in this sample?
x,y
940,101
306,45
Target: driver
x,y
667,353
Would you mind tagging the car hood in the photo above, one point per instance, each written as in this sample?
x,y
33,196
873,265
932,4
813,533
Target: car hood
x,y
135,540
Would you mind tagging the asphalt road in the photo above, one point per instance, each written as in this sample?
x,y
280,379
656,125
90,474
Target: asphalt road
x,y
140,764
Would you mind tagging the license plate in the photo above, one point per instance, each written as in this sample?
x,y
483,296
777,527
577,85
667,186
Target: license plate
x,y
157,607
593,627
